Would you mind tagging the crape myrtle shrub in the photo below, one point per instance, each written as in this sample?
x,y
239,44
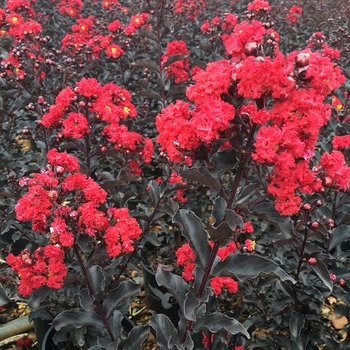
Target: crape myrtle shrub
x,y
235,112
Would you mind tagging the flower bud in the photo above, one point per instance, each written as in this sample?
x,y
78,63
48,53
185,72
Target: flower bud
x,y
312,261
251,49
315,224
306,206
59,170
302,60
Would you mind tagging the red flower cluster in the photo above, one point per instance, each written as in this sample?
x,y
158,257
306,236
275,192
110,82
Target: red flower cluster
x,y
190,8
186,257
17,20
136,22
120,237
179,69
218,283
71,8
44,267
175,178
259,5
66,205
243,34
108,105
336,169
293,14
181,129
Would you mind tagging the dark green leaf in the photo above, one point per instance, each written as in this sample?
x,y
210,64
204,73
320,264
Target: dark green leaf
x,y
154,191
296,323
77,318
173,59
222,161
233,219
115,323
149,94
204,179
219,207
3,296
96,277
322,272
144,62
193,230
119,295
175,284
166,333
250,266
266,211
217,321
176,90
167,23
146,33
136,337
340,234
86,300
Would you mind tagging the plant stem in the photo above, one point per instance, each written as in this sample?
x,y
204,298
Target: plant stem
x,y
91,291
204,282
301,253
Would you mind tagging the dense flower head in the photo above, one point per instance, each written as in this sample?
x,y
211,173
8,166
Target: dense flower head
x,y
91,190
259,5
335,167
108,106
114,26
190,8
179,69
340,142
219,283
185,257
71,8
121,236
83,25
114,51
44,267
75,125
136,22
243,34
62,159
211,82
293,14
91,221
323,74
109,3
181,129
265,77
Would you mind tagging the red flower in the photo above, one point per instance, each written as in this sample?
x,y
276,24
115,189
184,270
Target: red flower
x,y
88,87
62,159
114,26
243,34
120,237
293,14
340,142
218,283
185,257
114,51
75,125
258,5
